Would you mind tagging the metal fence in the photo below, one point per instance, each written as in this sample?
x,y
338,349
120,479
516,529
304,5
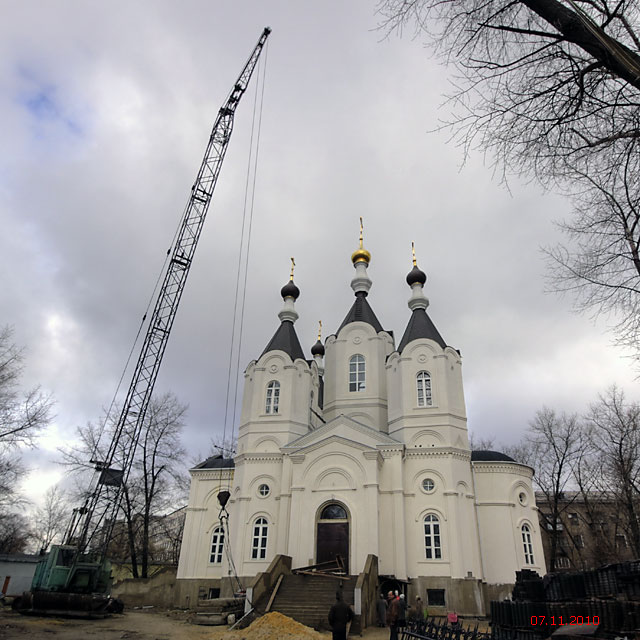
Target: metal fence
x,y
431,629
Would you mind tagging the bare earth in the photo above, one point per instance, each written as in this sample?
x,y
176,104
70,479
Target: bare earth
x,y
132,625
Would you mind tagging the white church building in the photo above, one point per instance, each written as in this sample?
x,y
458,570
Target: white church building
x,y
362,449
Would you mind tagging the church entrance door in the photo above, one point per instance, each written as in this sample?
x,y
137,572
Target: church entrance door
x,y
333,534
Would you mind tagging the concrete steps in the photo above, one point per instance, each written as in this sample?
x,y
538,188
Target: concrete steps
x,y
308,599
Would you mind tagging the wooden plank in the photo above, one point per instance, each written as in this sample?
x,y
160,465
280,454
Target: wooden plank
x,y
273,593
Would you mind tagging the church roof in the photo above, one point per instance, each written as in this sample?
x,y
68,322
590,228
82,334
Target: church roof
x,y
285,339
361,311
490,456
420,326
216,462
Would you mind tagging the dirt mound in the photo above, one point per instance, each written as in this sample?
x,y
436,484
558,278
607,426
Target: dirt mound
x,y
273,626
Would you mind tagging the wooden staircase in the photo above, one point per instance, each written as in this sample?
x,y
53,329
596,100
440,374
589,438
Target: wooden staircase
x,y
308,598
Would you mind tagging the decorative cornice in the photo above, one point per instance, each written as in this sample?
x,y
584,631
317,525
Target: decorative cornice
x,y
297,458
259,457
391,453
511,467
455,452
212,474
371,455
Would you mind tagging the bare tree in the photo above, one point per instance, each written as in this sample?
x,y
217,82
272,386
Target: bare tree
x,y
552,446
615,437
551,88
22,416
50,520
154,484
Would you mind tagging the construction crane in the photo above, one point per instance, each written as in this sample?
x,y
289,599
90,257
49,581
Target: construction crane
x,y
75,577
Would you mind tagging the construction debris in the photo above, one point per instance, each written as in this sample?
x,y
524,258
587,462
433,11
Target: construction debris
x,y
274,626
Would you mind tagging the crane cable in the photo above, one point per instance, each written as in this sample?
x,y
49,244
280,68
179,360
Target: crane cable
x,y
233,345
223,516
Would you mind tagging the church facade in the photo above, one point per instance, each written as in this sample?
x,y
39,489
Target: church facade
x,y
362,450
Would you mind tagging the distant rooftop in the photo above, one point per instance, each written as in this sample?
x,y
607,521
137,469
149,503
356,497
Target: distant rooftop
x,y
216,462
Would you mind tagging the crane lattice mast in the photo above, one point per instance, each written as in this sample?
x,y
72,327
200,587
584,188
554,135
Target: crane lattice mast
x,y
97,517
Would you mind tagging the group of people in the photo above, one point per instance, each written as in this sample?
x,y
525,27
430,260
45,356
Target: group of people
x,y
391,611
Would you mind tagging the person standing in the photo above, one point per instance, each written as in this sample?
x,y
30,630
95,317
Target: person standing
x,y
381,609
392,615
340,615
402,611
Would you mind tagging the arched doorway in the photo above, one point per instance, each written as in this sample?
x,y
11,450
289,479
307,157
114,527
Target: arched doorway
x,y
332,531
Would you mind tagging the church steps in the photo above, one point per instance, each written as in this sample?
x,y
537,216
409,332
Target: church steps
x,y
308,599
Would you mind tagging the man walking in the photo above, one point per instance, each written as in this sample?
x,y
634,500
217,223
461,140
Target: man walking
x,y
340,615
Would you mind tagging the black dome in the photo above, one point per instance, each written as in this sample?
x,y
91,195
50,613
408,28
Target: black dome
x,y
416,275
290,290
490,456
317,349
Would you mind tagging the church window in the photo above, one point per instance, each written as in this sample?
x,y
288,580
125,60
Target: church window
x,y
217,544
356,373
273,397
263,490
527,544
333,512
423,382
259,545
432,546
428,485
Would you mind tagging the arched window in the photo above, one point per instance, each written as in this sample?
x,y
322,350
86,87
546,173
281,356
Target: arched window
x,y
273,397
527,544
333,512
432,546
356,373
259,543
423,383
217,544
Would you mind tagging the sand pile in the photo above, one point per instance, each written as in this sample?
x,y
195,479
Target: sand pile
x,y
273,626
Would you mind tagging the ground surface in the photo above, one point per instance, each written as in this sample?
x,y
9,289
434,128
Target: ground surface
x,y
132,625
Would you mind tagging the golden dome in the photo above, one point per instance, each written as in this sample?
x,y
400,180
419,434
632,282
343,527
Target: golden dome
x,y
361,255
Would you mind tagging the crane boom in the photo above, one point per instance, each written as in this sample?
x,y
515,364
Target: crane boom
x,y
103,503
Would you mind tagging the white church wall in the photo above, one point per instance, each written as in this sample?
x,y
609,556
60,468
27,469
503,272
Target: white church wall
x,y
200,519
370,405
500,518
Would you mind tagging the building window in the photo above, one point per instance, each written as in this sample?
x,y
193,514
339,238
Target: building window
x,y
217,544
273,397
621,541
563,562
356,373
423,382
259,545
527,544
435,597
428,485
432,547
333,512
579,541
263,490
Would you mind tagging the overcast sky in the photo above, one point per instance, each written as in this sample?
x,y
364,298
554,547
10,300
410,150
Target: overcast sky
x,y
105,111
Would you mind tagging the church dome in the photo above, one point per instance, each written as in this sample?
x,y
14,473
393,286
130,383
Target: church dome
x,y
290,290
416,275
317,349
485,455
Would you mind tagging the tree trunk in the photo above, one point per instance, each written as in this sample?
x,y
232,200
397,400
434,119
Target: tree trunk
x,y
145,544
